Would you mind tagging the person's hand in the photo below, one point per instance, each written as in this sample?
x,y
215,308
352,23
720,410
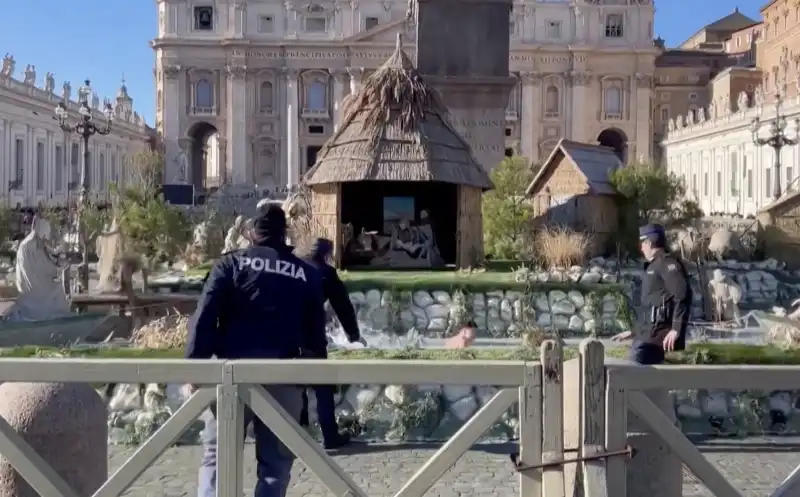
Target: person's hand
x,y
669,341
625,335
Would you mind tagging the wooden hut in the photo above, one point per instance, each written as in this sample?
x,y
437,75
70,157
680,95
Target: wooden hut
x,y
396,185
573,190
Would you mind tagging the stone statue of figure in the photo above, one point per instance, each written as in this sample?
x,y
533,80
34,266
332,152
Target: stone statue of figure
x,y
41,296
95,101
726,296
741,103
30,75
108,247
9,64
701,115
49,82
235,239
66,91
182,161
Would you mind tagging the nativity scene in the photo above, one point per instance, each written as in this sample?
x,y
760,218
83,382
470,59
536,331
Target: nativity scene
x,y
396,186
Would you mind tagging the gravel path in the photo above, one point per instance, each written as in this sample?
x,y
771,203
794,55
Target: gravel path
x,y
756,466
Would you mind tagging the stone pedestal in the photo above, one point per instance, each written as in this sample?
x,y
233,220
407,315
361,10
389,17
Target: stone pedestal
x,y
65,423
462,51
654,471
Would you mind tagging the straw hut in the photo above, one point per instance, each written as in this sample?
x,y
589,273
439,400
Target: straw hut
x,y
396,185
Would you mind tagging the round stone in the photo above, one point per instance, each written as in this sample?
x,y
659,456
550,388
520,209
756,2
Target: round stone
x,y
65,423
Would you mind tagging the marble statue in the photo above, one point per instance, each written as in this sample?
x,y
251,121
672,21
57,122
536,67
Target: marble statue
x,y
724,244
66,91
759,96
49,82
690,118
95,101
742,101
182,161
672,126
41,296
30,75
725,296
236,238
688,242
701,115
9,64
679,122
712,111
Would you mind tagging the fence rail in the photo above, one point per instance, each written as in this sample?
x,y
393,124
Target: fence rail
x,y
236,384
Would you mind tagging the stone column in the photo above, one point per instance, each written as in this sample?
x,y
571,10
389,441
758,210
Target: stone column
x,y
236,126
643,133
580,82
237,23
356,78
528,118
292,128
170,121
222,155
340,81
475,84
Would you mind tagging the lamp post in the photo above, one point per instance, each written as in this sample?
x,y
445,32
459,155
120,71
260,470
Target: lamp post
x,y
85,128
776,140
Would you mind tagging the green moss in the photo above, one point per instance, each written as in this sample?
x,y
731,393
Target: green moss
x,y
695,354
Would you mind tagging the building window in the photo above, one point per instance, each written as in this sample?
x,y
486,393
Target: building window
x,y
694,184
553,30
551,102
693,96
371,22
113,171
719,183
614,23
315,97
19,161
266,24
316,24
204,18
767,181
750,183
612,101
265,96
203,96
60,168
705,184
316,130
734,174
101,172
40,166
789,177
74,162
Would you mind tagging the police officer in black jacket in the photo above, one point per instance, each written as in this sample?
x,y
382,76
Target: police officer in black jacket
x,y
336,293
263,302
666,301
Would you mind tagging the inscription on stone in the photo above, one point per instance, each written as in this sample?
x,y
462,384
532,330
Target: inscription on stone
x,y
484,130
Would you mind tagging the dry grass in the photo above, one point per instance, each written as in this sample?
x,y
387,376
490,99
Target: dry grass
x,y
168,332
785,336
561,247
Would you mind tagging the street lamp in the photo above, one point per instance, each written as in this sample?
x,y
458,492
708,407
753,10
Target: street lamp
x,y
85,128
776,140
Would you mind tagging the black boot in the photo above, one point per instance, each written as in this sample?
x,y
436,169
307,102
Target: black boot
x,y
336,441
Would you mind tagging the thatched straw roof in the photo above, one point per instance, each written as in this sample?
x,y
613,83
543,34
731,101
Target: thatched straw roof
x,y
396,128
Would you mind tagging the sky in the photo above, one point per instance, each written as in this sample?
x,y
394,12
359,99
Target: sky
x,y
104,40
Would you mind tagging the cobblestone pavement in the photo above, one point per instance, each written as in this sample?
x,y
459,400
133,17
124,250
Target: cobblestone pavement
x,y
755,466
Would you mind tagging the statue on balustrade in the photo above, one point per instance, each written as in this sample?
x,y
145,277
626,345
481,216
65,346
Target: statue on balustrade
x,y
30,75
41,295
9,64
49,82
726,296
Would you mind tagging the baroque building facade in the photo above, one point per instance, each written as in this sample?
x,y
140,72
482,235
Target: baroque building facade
x,y
39,162
712,146
249,91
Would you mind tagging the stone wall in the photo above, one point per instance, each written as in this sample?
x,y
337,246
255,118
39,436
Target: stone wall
x,y
394,413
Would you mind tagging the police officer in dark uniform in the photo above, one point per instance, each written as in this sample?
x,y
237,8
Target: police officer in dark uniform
x,y
666,301
336,293
263,302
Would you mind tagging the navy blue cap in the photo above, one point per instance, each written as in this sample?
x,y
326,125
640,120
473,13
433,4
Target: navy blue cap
x,y
651,229
270,223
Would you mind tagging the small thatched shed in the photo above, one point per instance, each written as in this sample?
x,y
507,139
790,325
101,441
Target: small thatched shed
x,y
396,185
779,229
573,190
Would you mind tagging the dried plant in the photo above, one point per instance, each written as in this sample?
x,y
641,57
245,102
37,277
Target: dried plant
x,y
561,247
168,332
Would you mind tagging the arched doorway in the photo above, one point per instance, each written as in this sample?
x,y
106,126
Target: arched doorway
x,y
205,158
615,139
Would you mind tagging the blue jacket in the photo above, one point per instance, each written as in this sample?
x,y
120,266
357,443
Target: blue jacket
x,y
259,303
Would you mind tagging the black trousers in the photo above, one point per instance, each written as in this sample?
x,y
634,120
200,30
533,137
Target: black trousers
x,y
326,410
646,353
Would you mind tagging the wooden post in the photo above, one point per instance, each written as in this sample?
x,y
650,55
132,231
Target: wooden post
x,y
593,414
552,357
